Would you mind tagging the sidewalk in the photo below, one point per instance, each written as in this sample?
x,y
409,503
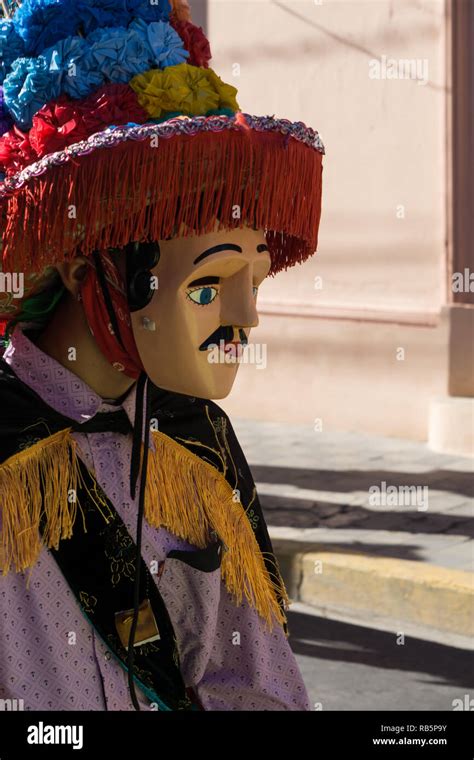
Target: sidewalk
x,y
407,566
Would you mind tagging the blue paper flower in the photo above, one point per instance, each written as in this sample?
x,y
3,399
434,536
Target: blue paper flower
x,y
102,13
159,10
41,23
165,45
97,14
119,53
11,47
70,62
77,65
28,87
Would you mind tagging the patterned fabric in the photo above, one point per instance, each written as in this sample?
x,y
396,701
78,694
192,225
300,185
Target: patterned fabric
x,y
100,567
52,658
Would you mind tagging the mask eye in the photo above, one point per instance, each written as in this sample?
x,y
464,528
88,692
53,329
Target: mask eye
x,y
203,296
255,291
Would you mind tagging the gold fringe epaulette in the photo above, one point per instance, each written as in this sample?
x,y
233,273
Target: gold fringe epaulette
x,y
184,494
37,483
190,498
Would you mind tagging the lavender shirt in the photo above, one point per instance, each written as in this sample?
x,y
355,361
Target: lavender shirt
x,y
51,657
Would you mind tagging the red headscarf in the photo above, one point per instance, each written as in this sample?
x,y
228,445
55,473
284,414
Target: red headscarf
x,y
120,350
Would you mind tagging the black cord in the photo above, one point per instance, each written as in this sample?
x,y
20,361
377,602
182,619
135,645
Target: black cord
x,y
137,434
142,391
141,394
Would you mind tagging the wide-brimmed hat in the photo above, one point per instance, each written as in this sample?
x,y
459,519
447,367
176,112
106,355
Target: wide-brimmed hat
x,y
115,129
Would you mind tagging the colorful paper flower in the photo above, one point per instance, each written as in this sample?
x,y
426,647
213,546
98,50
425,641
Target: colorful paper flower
x,y
28,87
56,125
41,23
165,45
119,53
184,88
112,104
15,151
226,92
11,46
71,62
156,11
96,14
65,121
195,42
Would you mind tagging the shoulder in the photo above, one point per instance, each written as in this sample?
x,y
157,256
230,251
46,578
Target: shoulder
x,y
14,394
21,409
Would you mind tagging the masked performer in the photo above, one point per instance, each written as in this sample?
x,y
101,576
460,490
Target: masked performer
x,y
143,209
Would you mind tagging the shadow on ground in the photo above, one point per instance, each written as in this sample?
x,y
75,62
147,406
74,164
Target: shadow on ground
x,y
313,636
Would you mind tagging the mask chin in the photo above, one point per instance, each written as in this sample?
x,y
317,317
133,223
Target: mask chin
x,y
207,382
174,363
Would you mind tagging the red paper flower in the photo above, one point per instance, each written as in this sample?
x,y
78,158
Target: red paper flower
x,y
65,121
56,125
194,41
112,104
15,151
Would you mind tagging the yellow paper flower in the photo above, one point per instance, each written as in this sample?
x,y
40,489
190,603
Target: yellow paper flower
x,y
189,89
226,92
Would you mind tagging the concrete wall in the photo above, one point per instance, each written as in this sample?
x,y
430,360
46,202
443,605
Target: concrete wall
x,y
370,349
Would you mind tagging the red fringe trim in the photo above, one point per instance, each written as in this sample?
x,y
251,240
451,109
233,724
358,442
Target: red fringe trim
x,y
137,192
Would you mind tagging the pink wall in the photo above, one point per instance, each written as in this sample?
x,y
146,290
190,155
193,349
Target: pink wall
x,y
382,251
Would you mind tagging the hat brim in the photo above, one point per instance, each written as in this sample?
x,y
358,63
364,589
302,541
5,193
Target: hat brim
x,y
140,182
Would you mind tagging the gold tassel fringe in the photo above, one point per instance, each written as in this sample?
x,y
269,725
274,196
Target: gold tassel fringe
x,y
184,494
191,498
37,482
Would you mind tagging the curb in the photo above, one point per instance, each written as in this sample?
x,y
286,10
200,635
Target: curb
x,y
437,598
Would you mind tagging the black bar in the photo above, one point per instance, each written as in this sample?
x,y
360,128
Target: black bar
x,y
315,734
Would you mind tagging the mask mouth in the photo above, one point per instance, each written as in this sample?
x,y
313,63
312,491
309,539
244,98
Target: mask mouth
x,y
226,334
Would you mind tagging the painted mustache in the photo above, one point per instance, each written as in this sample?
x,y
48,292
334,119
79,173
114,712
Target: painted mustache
x,y
225,333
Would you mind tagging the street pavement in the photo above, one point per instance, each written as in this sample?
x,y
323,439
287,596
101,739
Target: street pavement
x,y
351,667
309,480
388,569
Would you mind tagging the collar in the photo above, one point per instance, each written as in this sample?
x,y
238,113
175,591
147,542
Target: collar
x,y
56,385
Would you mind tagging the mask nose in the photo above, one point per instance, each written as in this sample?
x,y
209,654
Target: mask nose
x,y
238,306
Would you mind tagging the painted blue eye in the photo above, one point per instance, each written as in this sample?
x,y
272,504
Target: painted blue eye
x,y
255,291
203,296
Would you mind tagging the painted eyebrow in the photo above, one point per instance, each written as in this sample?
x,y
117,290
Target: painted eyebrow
x,y
226,247
205,281
217,248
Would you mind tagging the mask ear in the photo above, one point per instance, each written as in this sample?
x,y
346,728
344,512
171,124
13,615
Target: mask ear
x,y
141,258
73,273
